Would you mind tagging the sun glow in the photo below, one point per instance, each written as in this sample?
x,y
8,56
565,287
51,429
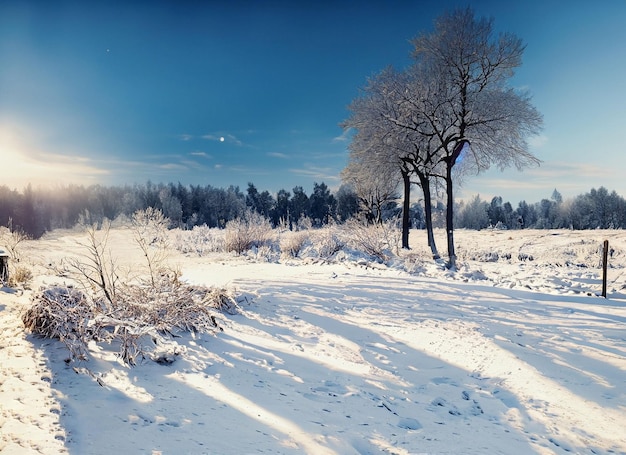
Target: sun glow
x,y
23,163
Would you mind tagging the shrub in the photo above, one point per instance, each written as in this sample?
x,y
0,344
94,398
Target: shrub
x,y
328,242
150,233
20,275
291,243
200,240
96,271
11,238
243,233
141,317
63,313
377,240
304,223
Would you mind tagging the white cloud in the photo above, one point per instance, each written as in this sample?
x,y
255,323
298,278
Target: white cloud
x,y
201,154
172,167
319,173
233,139
569,170
278,155
343,137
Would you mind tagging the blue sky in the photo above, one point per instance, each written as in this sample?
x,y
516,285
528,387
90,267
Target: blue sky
x,y
231,92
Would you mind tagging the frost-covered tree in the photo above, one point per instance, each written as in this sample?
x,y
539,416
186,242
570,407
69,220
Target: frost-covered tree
x,y
556,196
527,214
373,186
386,143
495,211
470,111
474,214
172,209
510,218
598,209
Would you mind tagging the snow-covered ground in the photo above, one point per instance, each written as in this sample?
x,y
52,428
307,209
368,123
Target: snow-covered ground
x,y
513,353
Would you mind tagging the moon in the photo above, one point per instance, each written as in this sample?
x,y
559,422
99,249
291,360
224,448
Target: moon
x,y
221,138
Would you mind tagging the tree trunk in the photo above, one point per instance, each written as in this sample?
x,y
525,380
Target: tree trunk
x,y
450,219
406,205
428,214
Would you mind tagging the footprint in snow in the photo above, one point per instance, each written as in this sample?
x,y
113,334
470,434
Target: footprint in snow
x,y
409,423
443,403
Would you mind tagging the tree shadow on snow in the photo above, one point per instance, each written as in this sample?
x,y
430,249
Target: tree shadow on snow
x,y
572,354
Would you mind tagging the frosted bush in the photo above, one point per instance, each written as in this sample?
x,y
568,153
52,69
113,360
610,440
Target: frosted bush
x,y
20,276
327,242
292,243
150,232
376,240
11,239
141,317
200,240
252,230
412,261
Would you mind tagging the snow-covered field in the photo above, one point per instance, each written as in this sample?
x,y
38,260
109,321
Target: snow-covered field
x,y
513,353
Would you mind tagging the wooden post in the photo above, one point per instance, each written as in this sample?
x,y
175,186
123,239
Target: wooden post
x,y
4,267
605,257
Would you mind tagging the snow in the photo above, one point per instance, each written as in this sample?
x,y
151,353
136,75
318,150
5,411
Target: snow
x,y
513,353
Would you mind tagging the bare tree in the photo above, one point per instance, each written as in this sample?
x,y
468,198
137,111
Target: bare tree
x,y
373,186
96,269
390,134
419,153
149,228
468,109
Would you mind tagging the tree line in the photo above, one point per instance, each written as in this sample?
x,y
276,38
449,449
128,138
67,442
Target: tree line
x,y
597,209
35,211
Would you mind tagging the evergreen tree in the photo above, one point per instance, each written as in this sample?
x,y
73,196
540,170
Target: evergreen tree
x,y
322,204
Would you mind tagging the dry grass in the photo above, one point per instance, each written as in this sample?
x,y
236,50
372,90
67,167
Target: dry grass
x,y
143,317
20,276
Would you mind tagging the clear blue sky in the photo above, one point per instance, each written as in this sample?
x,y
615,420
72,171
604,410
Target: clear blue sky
x,y
229,92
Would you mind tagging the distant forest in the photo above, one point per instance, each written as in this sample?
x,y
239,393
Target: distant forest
x,y
38,210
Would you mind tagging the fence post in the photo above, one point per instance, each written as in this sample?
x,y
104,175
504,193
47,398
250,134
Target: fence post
x,y
4,267
605,257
